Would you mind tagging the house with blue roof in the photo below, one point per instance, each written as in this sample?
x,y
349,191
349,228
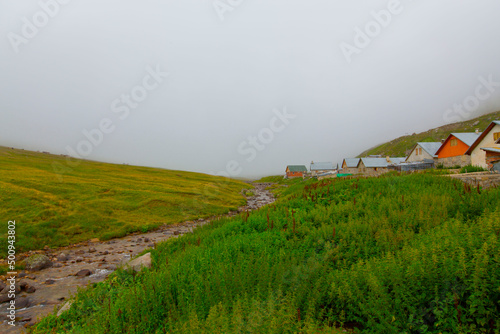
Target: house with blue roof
x,y
424,152
318,168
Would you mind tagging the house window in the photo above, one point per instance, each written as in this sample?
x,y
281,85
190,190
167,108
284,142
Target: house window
x,y
496,135
453,142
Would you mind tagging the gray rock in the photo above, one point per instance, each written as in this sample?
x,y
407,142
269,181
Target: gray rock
x,y
64,308
49,281
79,259
23,302
83,273
57,265
140,262
62,257
2,285
80,252
37,262
30,289
4,299
92,250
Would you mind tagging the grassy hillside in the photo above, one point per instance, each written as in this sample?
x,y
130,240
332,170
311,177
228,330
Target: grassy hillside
x,y
401,146
395,254
99,200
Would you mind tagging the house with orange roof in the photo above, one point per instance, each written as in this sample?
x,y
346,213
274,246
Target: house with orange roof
x,y
452,151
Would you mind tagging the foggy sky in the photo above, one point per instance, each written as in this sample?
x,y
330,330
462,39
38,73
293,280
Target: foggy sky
x,y
233,66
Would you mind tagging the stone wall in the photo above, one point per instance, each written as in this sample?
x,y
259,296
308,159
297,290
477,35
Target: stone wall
x,y
484,179
460,160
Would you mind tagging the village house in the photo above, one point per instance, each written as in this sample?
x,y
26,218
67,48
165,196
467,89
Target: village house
x,y
318,168
424,152
376,166
486,149
350,165
452,151
293,171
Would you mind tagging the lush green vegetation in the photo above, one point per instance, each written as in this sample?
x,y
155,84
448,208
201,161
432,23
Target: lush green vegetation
x,y
55,203
472,169
395,254
400,147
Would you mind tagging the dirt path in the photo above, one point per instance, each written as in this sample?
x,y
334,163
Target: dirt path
x,y
55,285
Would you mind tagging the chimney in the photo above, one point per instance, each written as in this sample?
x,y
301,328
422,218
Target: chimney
x,y
442,140
477,131
388,159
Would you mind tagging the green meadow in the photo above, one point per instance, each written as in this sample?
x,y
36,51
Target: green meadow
x,y
56,203
395,254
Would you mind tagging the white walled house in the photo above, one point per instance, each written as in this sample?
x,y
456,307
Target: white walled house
x,y
489,139
424,151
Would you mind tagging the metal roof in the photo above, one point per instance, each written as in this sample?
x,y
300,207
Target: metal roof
x,y
397,161
430,147
322,166
351,162
491,149
296,168
375,162
467,138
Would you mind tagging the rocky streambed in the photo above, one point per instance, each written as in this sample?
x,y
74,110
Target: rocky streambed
x,y
76,266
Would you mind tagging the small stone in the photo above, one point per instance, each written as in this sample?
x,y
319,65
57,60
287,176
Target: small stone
x,y
92,250
176,232
2,285
37,262
6,290
105,253
79,259
57,265
30,289
21,274
83,273
23,285
23,302
4,298
50,281
62,257
151,245
146,240
80,252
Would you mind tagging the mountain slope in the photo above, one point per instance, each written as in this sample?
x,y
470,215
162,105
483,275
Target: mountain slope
x,y
56,202
401,146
